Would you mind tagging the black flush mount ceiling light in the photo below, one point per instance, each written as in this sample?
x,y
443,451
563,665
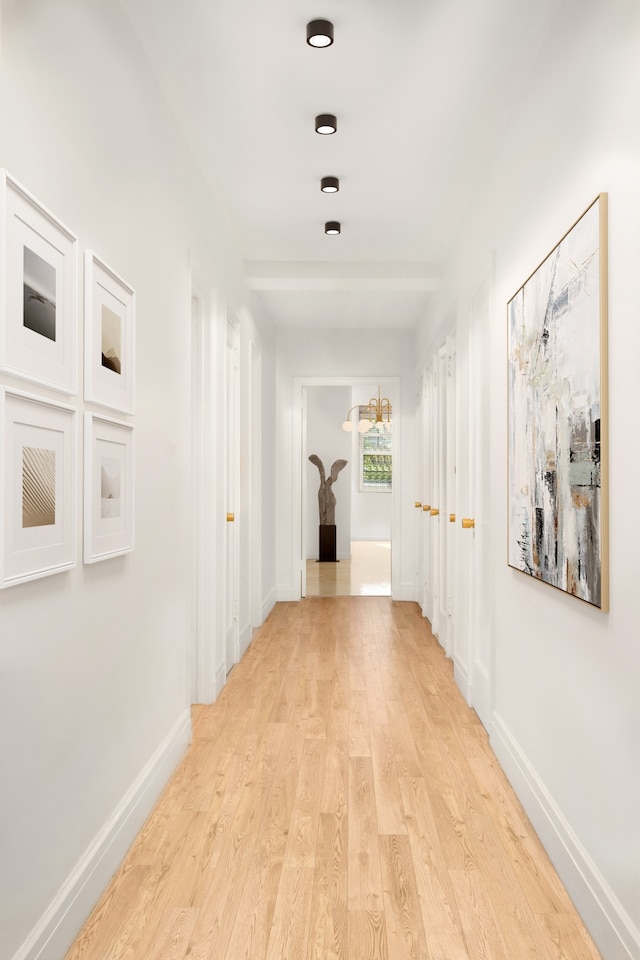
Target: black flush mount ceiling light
x,y
326,123
319,33
332,228
329,184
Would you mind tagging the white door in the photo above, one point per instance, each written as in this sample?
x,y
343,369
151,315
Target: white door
x,y
465,556
434,514
202,649
232,483
450,479
427,494
480,473
472,656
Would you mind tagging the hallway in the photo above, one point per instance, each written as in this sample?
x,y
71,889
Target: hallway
x,y
339,800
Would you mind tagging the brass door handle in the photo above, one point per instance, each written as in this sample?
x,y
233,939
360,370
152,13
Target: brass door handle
x,y
426,507
417,504
435,512
468,523
231,517
452,518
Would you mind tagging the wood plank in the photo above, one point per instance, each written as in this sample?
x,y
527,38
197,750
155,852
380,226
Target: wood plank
x,y
359,742
365,880
367,935
328,930
437,899
291,917
403,919
389,807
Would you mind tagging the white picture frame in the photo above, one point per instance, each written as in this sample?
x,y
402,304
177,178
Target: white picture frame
x,y
109,332
37,487
38,291
109,506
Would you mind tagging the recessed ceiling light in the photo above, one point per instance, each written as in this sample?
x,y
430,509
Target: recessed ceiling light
x,y
329,184
332,228
319,33
326,123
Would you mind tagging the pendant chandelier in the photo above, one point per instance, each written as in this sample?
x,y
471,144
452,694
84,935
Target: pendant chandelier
x,y
377,413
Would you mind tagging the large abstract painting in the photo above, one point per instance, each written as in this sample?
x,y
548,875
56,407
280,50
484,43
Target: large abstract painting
x,y
557,400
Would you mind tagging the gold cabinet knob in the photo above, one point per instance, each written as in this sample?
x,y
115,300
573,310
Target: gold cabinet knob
x,y
435,512
417,504
468,523
231,517
452,518
426,507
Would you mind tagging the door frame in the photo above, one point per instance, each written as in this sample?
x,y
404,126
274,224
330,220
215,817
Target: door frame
x,y
298,526
231,479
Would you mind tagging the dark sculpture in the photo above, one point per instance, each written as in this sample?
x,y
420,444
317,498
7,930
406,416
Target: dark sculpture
x,y
326,496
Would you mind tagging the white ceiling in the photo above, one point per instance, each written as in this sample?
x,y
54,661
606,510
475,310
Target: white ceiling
x,y
422,90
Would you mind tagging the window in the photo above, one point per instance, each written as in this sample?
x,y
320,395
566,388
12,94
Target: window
x,y
375,456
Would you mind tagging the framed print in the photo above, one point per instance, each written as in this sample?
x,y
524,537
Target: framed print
x,y
108,488
38,299
109,336
557,403
37,489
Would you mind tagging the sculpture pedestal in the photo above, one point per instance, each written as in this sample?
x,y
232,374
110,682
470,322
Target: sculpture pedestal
x,y
327,542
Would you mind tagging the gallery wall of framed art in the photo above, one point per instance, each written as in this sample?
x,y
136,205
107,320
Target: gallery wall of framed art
x,y
41,508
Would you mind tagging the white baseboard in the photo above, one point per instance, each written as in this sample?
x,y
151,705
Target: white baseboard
x,y
59,925
221,679
613,931
269,603
461,677
245,639
286,593
407,592
481,693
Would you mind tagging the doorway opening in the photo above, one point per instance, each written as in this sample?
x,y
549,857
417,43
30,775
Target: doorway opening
x,y
367,573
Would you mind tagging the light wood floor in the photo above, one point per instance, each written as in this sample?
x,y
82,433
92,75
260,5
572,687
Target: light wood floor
x,y
339,800
366,574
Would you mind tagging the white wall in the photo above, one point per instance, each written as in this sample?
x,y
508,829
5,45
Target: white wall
x,y
370,509
94,705
266,334
566,709
326,409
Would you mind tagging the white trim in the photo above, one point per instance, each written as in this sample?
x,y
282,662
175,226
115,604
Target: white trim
x,y
220,680
286,593
269,603
612,929
407,591
58,926
461,677
244,642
